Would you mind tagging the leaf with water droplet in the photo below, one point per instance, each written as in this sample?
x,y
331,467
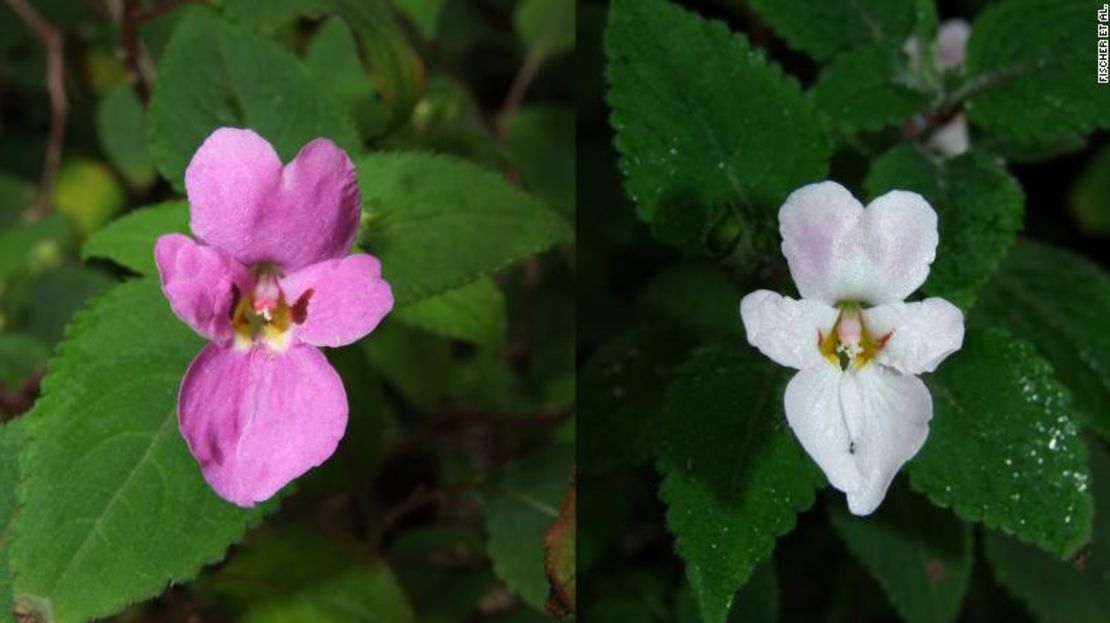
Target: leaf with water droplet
x,y
701,118
996,408
734,477
1059,302
1072,591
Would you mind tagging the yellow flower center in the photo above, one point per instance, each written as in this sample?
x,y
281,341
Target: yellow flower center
x,y
262,315
850,344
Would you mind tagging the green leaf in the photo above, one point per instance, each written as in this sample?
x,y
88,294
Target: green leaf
x,y
520,503
1088,201
110,496
540,143
333,58
698,296
424,15
821,28
273,15
121,127
733,476
546,26
15,196
1058,301
1031,70
623,389
866,89
736,130
21,355
438,223
441,594
474,312
36,244
396,68
1062,592
1004,447
11,440
756,602
414,362
448,121
46,302
129,240
980,209
297,574
920,555
218,74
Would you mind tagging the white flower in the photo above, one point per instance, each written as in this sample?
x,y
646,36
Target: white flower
x,y
951,139
856,405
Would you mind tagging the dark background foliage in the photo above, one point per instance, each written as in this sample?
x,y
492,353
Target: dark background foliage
x,y
644,305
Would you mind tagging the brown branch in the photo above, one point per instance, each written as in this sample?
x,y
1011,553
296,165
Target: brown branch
x,y
421,497
131,14
130,50
52,38
515,96
154,12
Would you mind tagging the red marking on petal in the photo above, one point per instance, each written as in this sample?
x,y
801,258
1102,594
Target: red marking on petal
x,y
300,308
235,294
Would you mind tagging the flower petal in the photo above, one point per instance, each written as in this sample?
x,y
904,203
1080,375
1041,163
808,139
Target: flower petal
x,y
199,283
837,250
812,404
951,139
920,334
338,301
952,39
815,223
243,201
786,330
256,421
888,417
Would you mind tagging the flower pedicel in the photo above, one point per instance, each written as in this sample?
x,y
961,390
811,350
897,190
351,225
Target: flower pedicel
x,y
268,280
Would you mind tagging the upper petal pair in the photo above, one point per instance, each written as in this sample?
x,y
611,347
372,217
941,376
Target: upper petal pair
x,y
245,202
348,296
838,250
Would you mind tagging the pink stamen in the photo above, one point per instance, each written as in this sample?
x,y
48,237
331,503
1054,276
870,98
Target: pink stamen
x,y
266,296
849,330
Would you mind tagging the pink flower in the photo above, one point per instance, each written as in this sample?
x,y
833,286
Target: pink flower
x,y
267,282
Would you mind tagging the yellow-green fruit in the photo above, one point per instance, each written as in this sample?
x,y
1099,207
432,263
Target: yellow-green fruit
x,y
89,193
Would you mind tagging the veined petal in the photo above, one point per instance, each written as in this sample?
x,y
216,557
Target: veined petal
x,y
786,330
813,410
242,200
920,334
338,301
255,421
838,250
888,417
199,281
